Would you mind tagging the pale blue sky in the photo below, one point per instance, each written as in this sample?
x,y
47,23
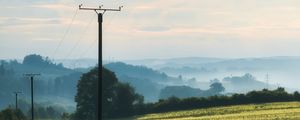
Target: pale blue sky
x,y
152,28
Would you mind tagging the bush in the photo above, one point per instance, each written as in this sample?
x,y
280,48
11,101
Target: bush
x,y
10,114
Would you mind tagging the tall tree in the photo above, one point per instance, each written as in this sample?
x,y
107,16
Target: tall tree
x,y
216,88
86,96
118,99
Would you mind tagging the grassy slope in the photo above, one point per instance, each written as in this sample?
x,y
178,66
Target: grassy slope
x,y
269,111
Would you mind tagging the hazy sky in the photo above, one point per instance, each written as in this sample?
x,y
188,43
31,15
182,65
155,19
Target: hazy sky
x,y
151,28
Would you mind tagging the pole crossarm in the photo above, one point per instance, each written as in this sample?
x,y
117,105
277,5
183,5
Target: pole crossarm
x,y
100,9
31,74
17,92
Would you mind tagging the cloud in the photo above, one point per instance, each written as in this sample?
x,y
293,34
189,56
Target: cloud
x,y
54,6
17,21
194,25
154,29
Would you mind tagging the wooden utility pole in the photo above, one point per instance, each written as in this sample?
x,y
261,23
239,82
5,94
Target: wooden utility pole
x,y
32,75
100,12
16,93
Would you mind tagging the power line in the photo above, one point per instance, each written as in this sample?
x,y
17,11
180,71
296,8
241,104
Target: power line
x,y
66,32
80,38
91,46
61,40
85,51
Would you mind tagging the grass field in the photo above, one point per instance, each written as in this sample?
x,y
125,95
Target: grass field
x,y
269,111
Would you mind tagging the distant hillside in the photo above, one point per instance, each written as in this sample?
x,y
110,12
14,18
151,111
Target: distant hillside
x,y
177,62
200,64
282,69
146,81
78,63
37,64
216,88
149,89
243,84
55,84
142,72
216,62
268,63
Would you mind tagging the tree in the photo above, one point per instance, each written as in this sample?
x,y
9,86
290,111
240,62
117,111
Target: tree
x,y
52,112
216,88
125,100
109,83
41,112
10,114
65,116
34,59
118,99
86,96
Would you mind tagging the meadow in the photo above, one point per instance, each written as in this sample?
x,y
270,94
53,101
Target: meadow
x,y
267,111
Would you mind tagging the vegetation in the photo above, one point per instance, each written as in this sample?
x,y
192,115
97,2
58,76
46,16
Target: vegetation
x,y
268,111
10,114
243,84
55,80
136,71
118,99
41,110
186,91
263,96
41,113
86,96
146,81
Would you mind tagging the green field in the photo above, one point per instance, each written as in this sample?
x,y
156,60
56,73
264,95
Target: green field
x,y
269,111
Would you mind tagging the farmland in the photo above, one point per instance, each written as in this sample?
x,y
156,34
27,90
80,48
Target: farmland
x,y
268,111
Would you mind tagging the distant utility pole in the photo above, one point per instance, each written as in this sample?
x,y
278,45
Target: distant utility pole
x,y
32,75
100,12
267,80
16,93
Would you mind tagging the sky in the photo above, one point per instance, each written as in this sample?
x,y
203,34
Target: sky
x,y
150,29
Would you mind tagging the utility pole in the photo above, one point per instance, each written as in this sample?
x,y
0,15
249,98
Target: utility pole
x,y
32,75
16,93
100,12
267,80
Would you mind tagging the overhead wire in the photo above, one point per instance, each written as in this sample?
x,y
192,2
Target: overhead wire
x,y
92,44
66,32
80,38
61,40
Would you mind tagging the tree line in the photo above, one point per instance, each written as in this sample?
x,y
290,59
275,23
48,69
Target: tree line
x,y
252,97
